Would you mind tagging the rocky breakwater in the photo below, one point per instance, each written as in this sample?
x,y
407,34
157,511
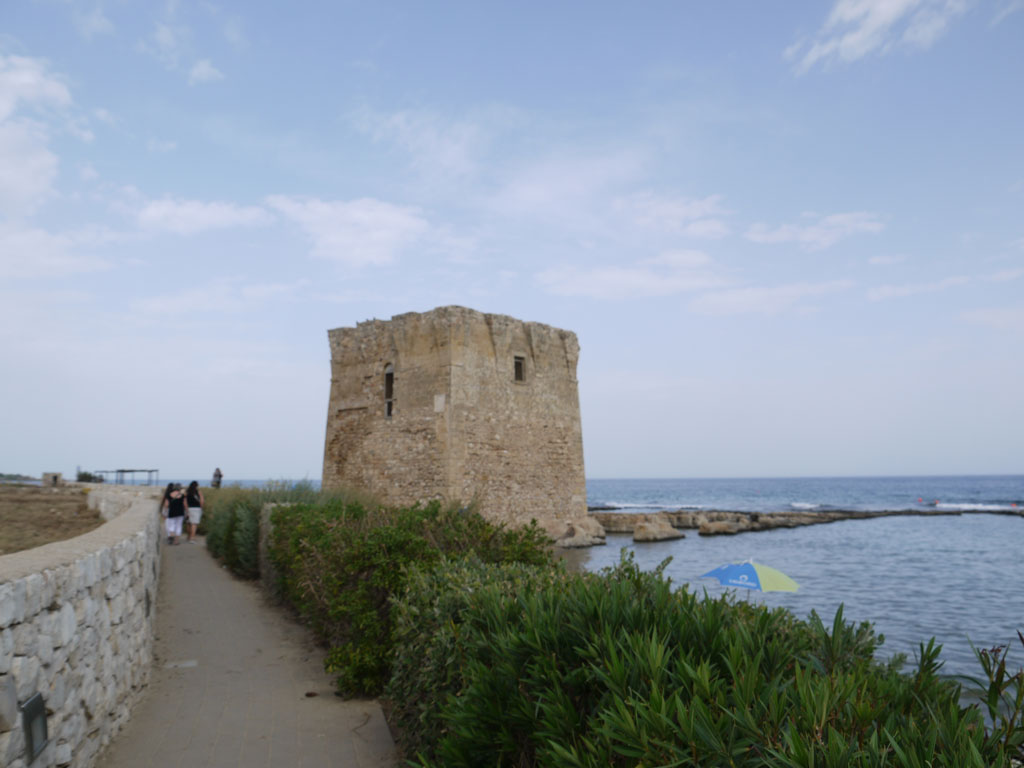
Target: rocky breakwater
x,y
76,628
722,523
644,526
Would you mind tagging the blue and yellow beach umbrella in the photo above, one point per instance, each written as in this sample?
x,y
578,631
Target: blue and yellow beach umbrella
x,y
751,575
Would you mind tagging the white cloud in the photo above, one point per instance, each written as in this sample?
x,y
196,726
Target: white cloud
x,y
572,189
27,252
171,44
27,167
160,146
434,143
665,275
695,217
25,81
823,233
764,300
857,28
167,44
104,116
204,72
1002,319
93,23
354,232
883,292
1005,275
886,260
235,35
681,259
189,217
220,296
1007,8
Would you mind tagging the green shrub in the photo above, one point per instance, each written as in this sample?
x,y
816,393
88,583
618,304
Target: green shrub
x,y
231,518
245,542
619,669
426,620
339,563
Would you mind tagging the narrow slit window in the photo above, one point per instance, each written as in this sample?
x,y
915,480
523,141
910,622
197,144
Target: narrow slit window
x,y
389,390
520,368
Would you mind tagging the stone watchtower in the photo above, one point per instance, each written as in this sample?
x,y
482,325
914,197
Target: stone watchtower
x,y
457,405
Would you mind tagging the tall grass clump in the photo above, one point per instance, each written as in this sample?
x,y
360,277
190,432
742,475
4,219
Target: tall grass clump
x,y
498,667
340,562
231,518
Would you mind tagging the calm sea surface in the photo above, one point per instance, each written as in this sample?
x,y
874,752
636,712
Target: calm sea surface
x,y
957,578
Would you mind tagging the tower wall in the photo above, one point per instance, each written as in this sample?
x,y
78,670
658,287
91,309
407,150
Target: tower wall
x,y
462,427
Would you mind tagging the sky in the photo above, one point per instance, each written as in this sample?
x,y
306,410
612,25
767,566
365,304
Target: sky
x,y
789,236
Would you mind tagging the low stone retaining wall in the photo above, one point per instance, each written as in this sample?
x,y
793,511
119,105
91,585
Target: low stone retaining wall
x,y
76,625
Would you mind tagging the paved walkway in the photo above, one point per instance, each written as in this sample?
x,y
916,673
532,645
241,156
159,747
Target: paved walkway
x,y
231,684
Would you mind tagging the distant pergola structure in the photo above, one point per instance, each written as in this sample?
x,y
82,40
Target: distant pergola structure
x,y
127,476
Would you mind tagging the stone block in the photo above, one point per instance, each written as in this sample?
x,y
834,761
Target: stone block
x,y
89,698
12,603
104,563
114,586
44,649
116,607
25,639
47,589
56,694
67,624
33,594
6,650
72,728
9,712
62,754
25,670
12,746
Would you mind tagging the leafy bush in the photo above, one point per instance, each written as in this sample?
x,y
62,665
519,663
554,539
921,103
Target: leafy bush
x,y
619,669
339,563
426,623
220,517
231,519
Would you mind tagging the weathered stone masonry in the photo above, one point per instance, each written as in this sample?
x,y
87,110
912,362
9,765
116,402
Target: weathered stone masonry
x,y
76,624
458,405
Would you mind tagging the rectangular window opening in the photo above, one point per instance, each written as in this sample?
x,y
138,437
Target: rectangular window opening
x,y
520,368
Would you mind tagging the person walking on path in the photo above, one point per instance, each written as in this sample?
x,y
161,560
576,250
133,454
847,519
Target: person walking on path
x,y
217,477
194,497
174,513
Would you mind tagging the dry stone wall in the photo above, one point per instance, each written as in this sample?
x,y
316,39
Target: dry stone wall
x,y
76,625
483,408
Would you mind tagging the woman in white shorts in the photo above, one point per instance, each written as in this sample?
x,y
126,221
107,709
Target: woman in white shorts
x,y
173,510
195,508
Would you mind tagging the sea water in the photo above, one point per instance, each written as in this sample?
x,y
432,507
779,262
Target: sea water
x,y
956,578
993,493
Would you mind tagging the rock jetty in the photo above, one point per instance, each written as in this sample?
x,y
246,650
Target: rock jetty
x,y
722,523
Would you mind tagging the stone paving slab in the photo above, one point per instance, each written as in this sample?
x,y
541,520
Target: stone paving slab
x,y
231,684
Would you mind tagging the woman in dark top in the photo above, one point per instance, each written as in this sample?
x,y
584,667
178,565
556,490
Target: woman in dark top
x,y
194,498
174,513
